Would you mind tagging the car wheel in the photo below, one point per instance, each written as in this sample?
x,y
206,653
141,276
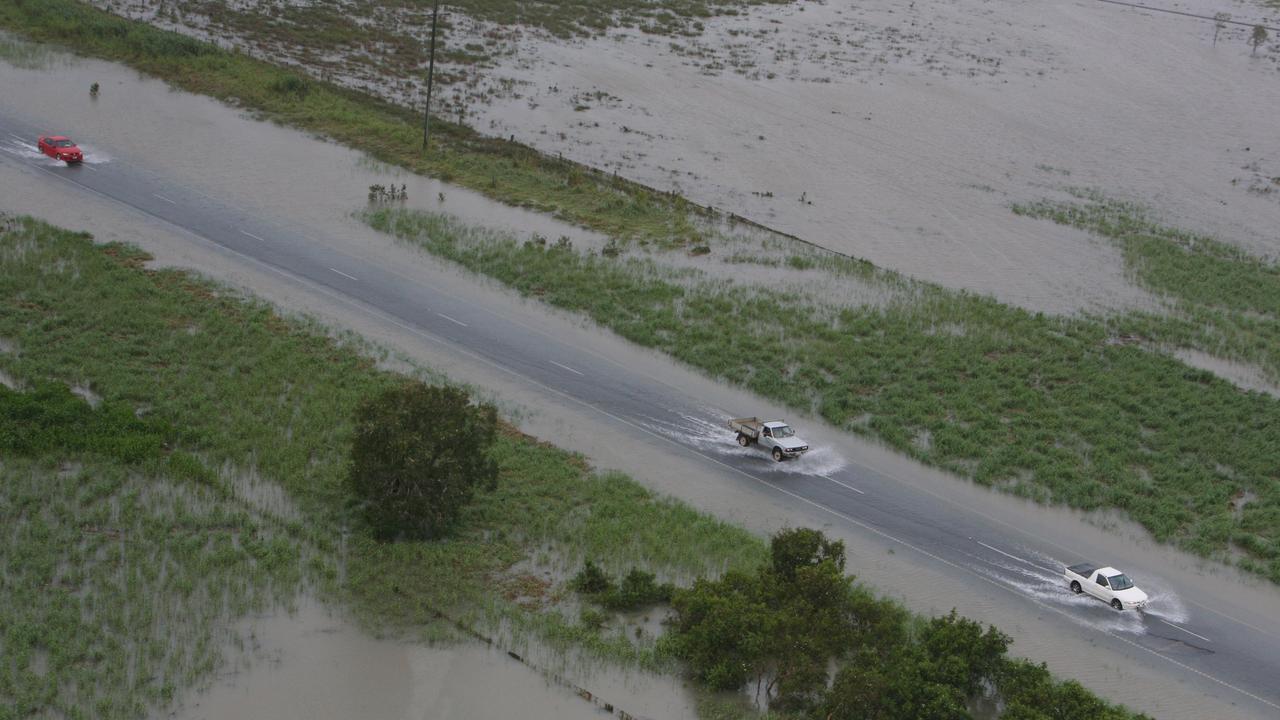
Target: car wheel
x,y
1116,604
1075,587
777,454
743,440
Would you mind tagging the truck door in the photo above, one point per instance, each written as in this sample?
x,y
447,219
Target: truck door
x,y
1102,590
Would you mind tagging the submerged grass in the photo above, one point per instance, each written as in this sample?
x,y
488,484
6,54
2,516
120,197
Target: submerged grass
x,y
127,559
1225,301
1047,407
324,26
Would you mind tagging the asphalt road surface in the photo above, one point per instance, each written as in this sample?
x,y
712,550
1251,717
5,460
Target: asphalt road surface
x,y
1187,639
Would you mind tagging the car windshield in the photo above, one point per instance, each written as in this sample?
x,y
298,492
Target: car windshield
x,y
1120,582
783,431
63,143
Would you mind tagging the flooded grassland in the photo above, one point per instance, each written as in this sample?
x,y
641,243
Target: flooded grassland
x,y
277,190
839,122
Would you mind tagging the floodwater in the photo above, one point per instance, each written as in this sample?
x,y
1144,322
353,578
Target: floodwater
x,y
901,133
310,664
1242,375
314,185
909,129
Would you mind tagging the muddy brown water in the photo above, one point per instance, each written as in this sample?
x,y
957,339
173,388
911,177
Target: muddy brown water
x,y
901,134
311,664
241,161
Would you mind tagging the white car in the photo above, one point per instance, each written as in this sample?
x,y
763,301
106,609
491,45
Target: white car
x,y
1107,584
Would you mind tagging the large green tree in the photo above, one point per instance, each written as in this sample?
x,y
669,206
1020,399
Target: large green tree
x,y
419,454
779,628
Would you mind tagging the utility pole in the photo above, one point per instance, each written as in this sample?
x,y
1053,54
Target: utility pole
x,y
431,71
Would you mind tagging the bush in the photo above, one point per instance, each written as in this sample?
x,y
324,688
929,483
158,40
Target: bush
x,y
418,456
591,580
637,589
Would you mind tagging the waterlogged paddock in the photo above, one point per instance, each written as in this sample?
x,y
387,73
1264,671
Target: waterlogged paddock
x,y
898,134
309,663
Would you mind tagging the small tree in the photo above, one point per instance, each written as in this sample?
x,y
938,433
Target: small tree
x,y
418,456
1219,24
792,549
1258,37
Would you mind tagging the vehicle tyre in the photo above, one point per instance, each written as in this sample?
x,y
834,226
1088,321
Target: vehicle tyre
x,y
743,440
1117,605
777,454
1075,587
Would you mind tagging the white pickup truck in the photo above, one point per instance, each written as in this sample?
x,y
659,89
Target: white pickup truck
x,y
775,435
1107,584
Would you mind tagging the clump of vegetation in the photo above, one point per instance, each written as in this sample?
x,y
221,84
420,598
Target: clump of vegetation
x,y
781,628
636,590
418,455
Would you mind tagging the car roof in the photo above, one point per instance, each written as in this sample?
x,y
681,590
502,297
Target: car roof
x,y
56,137
775,424
1109,571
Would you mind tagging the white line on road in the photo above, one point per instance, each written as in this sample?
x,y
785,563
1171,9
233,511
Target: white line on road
x,y
349,277
1011,557
1179,627
164,198
18,137
255,237
446,317
566,367
850,487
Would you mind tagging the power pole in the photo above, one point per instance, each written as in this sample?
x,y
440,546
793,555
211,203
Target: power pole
x,y
431,71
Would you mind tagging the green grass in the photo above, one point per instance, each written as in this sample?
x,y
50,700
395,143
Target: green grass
x,y
131,546
509,172
1045,407
1224,301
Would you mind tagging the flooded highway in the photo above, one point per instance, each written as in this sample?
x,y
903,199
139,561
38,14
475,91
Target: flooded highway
x,y
231,207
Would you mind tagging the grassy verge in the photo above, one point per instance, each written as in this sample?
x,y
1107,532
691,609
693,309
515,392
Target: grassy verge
x,y
508,172
1051,408
127,561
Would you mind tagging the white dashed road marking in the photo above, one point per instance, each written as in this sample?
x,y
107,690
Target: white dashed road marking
x,y
164,198
349,277
849,487
565,367
1178,627
457,322
255,237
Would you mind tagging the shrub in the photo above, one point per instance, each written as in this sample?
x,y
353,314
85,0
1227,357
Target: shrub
x,y
591,580
637,589
418,456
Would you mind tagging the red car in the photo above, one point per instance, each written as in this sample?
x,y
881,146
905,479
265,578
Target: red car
x,y
61,148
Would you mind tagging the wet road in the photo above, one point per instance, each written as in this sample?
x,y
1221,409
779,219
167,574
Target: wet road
x,y
1224,651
